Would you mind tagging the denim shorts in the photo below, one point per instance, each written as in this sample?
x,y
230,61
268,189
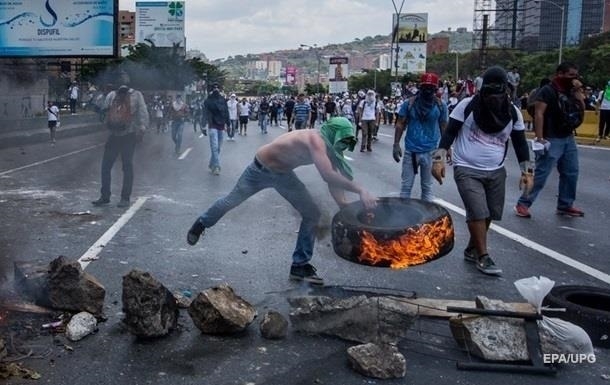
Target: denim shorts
x,y
482,192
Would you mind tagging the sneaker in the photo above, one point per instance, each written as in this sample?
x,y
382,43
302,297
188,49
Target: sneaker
x,y
570,212
487,266
598,139
470,254
101,202
123,203
195,232
368,149
362,149
306,273
522,211
216,171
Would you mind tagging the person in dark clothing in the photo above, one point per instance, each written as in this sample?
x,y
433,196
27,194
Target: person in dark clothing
x,y
217,114
288,109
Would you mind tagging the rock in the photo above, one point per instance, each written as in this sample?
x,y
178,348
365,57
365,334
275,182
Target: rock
x,y
218,310
70,288
377,361
492,338
273,326
80,326
358,318
150,308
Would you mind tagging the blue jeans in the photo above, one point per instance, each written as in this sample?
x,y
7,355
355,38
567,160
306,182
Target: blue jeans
x,y
263,117
563,153
232,128
423,163
215,136
116,145
177,128
256,178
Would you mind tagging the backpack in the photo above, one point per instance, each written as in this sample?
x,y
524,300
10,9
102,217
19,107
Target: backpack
x,y
571,113
118,115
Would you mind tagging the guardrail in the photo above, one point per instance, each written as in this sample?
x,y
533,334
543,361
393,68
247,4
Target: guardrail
x,y
588,128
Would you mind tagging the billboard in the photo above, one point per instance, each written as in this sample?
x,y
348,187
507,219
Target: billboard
x,y
338,71
291,75
410,33
68,28
160,23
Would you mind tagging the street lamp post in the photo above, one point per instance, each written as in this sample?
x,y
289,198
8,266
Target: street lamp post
x,y
562,8
315,49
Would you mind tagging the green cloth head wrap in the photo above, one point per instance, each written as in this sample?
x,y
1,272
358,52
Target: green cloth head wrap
x,y
333,132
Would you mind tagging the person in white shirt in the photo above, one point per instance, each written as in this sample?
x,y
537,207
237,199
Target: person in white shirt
x,y
73,91
244,115
369,113
232,106
52,119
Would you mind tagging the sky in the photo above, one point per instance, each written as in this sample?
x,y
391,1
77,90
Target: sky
x,y
222,28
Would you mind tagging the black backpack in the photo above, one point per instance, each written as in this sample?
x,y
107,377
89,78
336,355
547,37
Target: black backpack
x,y
570,111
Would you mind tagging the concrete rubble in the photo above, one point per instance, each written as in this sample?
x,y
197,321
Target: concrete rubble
x,y
80,326
377,361
218,310
358,318
150,308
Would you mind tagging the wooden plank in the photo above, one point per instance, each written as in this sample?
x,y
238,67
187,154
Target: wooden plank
x,y
24,307
436,307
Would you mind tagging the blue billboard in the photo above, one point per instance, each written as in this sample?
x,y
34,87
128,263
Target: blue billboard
x,y
68,28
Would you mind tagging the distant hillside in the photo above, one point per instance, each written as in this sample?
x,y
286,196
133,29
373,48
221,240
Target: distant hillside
x,y
303,58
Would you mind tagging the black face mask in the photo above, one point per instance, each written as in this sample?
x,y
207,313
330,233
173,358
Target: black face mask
x,y
495,102
427,93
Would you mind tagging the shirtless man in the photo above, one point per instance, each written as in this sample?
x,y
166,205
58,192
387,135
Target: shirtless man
x,y
274,165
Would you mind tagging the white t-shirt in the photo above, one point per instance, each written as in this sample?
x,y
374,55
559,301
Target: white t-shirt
x,y
53,113
368,109
244,109
474,148
605,105
74,92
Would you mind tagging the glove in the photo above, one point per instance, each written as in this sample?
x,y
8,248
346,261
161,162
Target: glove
x,y
438,164
396,152
526,182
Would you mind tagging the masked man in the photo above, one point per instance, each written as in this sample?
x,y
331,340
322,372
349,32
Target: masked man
x,y
424,117
479,129
274,165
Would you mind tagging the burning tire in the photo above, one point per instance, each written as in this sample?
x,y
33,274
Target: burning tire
x,y
398,233
587,307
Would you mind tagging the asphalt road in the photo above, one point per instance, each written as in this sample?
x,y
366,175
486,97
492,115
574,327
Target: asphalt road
x,y
45,194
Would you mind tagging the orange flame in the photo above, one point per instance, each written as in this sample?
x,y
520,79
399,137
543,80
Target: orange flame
x,y
416,246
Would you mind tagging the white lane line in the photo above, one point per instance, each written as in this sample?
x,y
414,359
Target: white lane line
x,y
348,158
536,246
47,160
573,229
185,153
594,147
92,254
389,136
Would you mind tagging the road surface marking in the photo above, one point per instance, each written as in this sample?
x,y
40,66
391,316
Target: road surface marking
x,y
573,229
536,246
389,136
185,153
594,147
92,254
47,160
348,158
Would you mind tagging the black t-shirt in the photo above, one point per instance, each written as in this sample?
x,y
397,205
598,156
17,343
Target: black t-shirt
x,y
552,114
331,107
264,107
289,106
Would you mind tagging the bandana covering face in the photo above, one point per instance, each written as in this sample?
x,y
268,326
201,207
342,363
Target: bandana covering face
x,y
338,135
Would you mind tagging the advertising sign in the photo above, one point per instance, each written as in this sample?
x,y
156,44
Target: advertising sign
x,y
338,71
410,33
160,23
69,28
291,75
